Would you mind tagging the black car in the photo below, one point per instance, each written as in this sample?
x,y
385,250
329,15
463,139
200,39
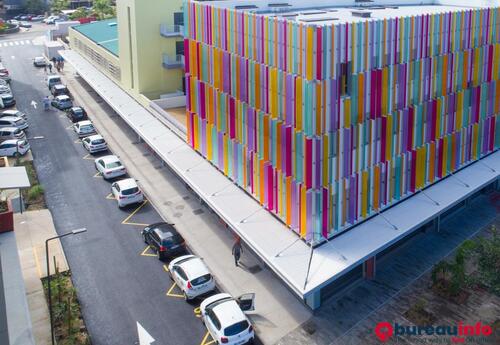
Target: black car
x,y
77,114
164,240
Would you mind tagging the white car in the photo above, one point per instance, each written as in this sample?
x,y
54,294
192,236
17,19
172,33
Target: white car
x,y
225,319
110,167
14,112
127,192
5,89
14,147
13,121
39,61
191,275
84,128
95,143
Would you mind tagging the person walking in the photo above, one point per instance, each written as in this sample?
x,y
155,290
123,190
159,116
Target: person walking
x,y
45,68
237,250
50,67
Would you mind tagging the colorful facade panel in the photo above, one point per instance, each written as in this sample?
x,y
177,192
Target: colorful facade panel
x,y
327,125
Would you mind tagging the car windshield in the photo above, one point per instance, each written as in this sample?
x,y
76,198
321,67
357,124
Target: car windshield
x,y
98,141
55,80
130,191
113,165
78,111
86,128
172,240
236,328
19,122
201,280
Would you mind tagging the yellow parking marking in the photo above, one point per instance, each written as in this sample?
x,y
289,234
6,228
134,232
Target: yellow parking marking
x,y
144,252
62,115
70,126
172,294
78,141
126,220
165,267
110,196
197,312
207,339
88,156
98,174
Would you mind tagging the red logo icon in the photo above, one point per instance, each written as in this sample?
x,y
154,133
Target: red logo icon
x,y
384,331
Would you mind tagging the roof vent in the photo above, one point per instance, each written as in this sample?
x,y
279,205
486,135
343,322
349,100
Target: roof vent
x,y
112,24
279,4
312,20
361,14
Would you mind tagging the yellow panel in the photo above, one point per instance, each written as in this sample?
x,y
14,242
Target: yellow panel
x,y
303,211
298,104
309,52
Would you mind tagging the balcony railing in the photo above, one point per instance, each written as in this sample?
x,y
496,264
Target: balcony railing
x,y
172,30
171,62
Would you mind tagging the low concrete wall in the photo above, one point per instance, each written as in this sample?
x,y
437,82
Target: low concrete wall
x,y
167,119
174,101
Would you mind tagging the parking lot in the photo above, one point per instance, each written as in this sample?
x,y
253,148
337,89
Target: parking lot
x,y
118,278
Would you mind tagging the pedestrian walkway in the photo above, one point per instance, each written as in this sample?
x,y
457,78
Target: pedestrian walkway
x,y
32,228
278,311
15,43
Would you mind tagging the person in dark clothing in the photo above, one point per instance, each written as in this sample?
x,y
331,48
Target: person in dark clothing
x,y
237,250
50,67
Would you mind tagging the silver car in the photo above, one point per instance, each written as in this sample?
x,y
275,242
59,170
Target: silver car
x,y
7,133
13,121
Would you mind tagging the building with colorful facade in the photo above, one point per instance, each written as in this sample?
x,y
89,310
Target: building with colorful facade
x,y
328,113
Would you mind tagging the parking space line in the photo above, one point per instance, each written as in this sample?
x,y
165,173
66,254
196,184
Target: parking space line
x,y
126,220
78,141
89,157
205,340
172,294
110,196
97,174
147,254
165,267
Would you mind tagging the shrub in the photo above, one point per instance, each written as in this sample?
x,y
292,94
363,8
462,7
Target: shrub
x,y
35,192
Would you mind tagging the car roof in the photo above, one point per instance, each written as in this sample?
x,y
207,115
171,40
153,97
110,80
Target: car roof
x,y
94,137
61,97
76,108
11,118
109,159
53,76
11,129
127,183
10,141
165,228
229,312
39,58
84,123
194,267
59,86
4,95
13,112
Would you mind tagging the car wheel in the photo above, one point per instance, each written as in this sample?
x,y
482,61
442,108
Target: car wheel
x,y
158,255
144,239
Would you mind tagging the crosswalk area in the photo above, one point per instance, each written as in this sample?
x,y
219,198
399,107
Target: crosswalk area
x,y
15,43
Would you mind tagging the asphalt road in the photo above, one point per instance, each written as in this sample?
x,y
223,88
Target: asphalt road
x,y
116,285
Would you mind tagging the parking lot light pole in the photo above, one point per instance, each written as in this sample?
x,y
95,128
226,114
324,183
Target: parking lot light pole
x,y
73,232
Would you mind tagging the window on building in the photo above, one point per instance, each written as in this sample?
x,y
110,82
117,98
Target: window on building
x,y
178,18
179,48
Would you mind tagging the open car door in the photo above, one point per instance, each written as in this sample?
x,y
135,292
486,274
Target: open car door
x,y
246,302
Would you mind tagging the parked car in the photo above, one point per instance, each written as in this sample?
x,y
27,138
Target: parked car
x,y
3,82
39,61
24,17
84,128
95,143
59,89
52,19
14,147
13,121
127,192
14,22
3,69
38,18
7,133
110,167
5,77
76,114
53,80
7,100
14,112
25,25
62,102
192,276
164,240
5,89
225,319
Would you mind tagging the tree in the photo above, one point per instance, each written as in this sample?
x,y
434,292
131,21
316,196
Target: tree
x,y
103,9
80,12
59,5
35,6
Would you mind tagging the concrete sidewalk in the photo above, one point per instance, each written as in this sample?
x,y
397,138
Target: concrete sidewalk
x,y
278,311
32,229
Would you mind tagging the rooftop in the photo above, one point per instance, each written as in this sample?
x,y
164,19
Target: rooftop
x,y
315,12
103,33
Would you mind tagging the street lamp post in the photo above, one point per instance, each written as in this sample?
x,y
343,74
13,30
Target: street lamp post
x,y
73,232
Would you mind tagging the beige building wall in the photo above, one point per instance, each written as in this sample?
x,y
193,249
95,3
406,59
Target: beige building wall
x,y
141,47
